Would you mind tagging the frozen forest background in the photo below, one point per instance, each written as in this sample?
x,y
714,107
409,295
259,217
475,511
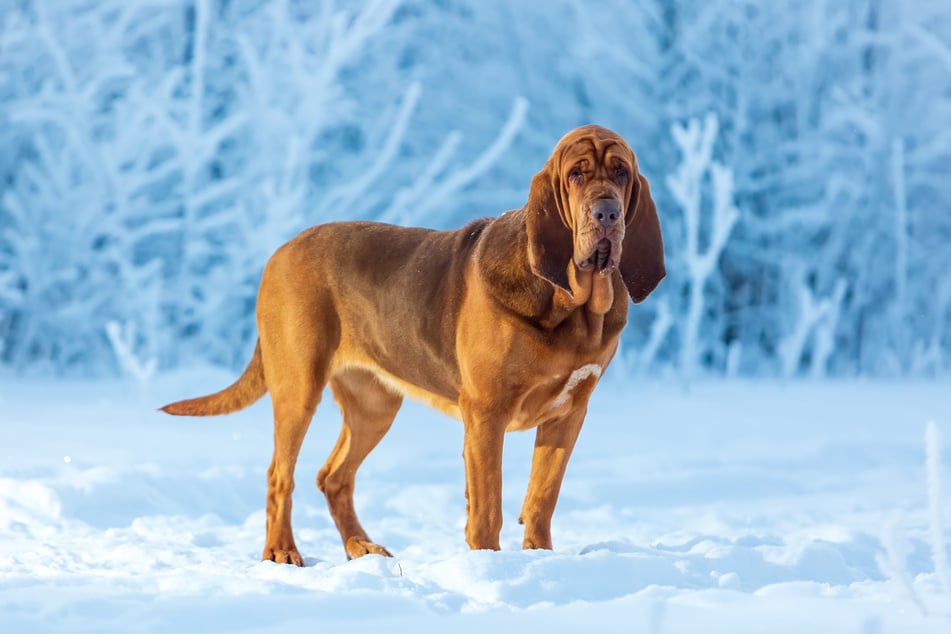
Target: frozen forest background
x,y
154,153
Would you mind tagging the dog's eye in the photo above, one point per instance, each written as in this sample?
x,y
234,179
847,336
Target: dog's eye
x,y
576,175
620,174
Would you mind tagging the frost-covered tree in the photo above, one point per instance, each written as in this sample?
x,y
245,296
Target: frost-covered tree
x,y
707,222
156,165
155,153
810,97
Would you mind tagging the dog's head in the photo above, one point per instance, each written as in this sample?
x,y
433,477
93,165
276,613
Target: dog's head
x,y
591,208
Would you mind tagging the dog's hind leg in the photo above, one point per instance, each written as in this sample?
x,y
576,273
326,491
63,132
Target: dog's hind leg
x,y
295,397
368,411
299,335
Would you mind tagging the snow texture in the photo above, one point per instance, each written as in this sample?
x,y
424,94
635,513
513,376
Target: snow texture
x,y
725,507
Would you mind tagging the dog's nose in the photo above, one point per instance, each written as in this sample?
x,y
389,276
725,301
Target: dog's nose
x,y
606,212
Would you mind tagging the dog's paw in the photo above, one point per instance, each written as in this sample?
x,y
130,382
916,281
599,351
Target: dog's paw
x,y
283,556
357,547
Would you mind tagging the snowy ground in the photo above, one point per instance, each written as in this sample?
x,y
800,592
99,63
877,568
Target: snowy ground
x,y
722,507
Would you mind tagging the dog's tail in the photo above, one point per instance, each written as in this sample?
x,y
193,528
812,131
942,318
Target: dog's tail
x,y
249,387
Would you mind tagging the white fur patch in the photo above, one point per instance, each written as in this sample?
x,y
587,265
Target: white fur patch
x,y
579,375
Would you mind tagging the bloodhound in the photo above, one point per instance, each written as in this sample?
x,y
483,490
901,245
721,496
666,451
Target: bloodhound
x,y
506,324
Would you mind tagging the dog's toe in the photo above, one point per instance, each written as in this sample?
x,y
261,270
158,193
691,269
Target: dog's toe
x,y
283,556
357,547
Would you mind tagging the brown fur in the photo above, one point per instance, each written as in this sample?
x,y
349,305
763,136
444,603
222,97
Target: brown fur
x,y
504,324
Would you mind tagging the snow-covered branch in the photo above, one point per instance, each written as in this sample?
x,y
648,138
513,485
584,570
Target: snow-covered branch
x,y
939,552
817,321
123,339
427,194
705,238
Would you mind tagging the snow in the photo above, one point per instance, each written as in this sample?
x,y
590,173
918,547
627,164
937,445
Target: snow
x,y
715,506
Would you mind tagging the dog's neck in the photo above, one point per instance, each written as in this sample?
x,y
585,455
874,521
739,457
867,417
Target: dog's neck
x,y
591,293
595,291
505,268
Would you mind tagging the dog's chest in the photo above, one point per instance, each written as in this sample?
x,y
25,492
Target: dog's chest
x,y
555,395
576,378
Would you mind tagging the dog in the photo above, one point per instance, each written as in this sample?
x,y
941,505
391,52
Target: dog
x,y
507,324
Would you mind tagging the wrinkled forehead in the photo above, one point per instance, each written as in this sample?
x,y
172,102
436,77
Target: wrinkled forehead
x,y
593,142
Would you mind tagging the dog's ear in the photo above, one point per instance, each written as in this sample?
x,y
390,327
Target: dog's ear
x,y
642,254
550,244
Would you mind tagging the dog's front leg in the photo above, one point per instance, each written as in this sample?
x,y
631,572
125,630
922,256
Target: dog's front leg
x,y
553,444
482,452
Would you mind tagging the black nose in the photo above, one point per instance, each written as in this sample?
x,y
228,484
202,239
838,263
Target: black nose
x,y
606,212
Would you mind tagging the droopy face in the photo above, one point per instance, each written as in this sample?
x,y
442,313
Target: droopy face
x,y
590,208
597,176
